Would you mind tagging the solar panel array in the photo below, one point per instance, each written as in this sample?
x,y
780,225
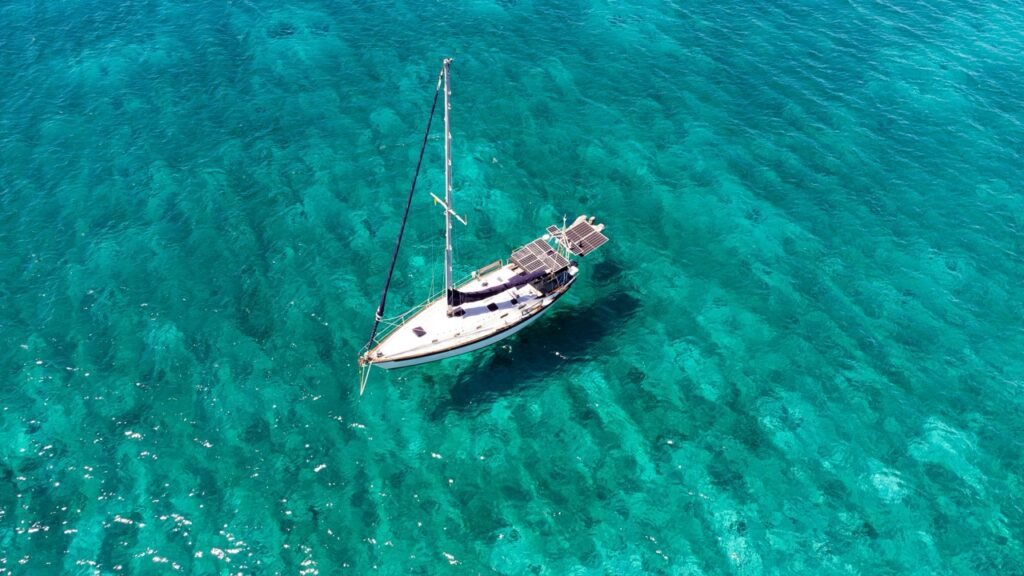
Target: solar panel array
x,y
583,238
539,255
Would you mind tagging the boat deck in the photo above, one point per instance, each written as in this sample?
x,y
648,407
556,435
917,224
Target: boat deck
x,y
431,332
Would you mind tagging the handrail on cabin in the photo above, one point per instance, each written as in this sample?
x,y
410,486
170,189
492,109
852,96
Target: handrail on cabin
x,y
492,266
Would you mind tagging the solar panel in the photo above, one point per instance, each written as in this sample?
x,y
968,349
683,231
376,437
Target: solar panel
x,y
558,262
593,241
583,238
539,255
577,231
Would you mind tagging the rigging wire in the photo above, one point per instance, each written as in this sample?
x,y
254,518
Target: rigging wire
x,y
405,217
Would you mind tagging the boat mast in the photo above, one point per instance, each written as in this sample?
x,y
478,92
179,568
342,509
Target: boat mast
x,y
446,203
447,190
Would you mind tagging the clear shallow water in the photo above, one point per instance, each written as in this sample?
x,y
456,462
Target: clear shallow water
x,y
800,353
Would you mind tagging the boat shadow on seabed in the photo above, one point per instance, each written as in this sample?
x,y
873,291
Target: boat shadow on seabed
x,y
566,336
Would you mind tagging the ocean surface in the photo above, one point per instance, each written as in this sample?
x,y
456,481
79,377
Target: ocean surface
x,y
802,351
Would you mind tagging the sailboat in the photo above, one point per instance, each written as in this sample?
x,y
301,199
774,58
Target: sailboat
x,y
494,302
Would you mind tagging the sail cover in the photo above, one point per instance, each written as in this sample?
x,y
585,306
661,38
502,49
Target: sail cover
x,y
458,298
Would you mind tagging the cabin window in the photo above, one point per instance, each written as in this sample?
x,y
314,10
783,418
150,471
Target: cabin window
x,y
492,306
419,331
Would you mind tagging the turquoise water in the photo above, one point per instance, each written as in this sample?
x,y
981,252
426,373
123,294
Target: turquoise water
x,y
800,353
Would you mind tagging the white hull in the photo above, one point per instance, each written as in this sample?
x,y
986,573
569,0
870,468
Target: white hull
x,y
462,349
431,334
